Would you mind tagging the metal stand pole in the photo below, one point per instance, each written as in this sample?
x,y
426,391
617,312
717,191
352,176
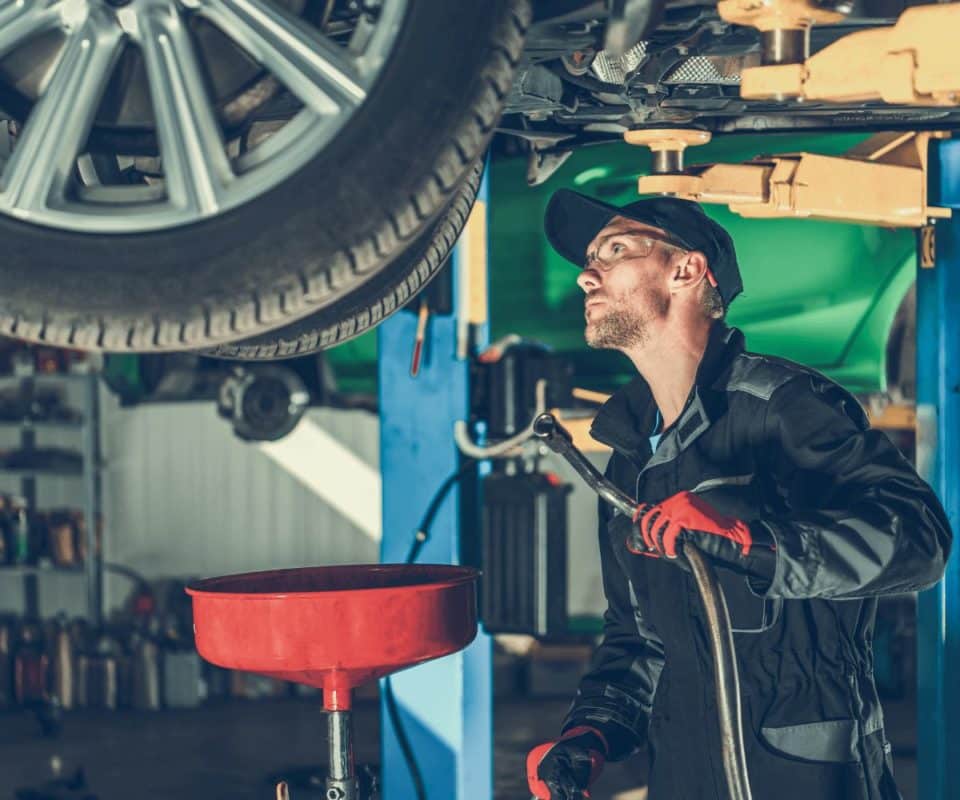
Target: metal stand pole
x,y
451,734
28,490
938,432
342,780
93,564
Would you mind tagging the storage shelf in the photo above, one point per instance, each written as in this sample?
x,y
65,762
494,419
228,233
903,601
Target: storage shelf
x,y
40,473
35,569
30,424
44,376
83,461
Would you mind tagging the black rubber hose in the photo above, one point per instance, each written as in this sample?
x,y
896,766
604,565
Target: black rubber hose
x,y
423,529
393,712
725,676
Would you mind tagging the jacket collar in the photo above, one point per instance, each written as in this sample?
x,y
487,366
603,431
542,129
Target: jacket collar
x,y
626,420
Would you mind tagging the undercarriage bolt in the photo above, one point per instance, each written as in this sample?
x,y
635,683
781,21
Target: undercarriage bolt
x,y
784,46
335,793
667,146
667,161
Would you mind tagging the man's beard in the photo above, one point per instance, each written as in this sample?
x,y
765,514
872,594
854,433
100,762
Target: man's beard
x,y
626,323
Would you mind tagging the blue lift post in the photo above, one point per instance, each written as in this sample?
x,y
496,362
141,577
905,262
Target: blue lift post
x,y
446,705
938,449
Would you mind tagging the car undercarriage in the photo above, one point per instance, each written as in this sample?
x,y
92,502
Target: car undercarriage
x,y
685,71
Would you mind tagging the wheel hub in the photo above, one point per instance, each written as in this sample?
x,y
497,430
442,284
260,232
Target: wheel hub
x,y
187,81
126,113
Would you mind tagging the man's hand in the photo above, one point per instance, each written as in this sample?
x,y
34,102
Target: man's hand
x,y
565,769
689,517
685,513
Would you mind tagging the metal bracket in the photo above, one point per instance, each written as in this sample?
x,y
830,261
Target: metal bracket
x,y
914,62
629,22
508,448
882,181
784,25
667,145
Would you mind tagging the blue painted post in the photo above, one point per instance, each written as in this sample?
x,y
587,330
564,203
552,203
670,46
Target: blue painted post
x,y
445,705
938,449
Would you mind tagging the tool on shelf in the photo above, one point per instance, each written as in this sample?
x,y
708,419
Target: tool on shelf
x,y
422,316
35,542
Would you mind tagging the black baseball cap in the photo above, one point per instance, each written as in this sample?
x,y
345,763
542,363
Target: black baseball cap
x,y
574,219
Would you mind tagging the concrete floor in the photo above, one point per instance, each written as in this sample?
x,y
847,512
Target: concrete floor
x,y
236,750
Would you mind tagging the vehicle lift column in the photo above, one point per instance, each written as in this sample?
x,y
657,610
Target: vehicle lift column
x,y
446,705
938,457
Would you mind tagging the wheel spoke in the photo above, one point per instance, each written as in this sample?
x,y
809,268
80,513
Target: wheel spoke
x,y
196,169
47,180
45,154
20,20
319,72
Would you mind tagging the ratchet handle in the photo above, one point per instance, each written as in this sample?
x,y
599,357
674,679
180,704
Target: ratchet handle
x,y
635,543
548,430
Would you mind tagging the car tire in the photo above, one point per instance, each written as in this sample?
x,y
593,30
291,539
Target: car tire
x,y
373,302
338,225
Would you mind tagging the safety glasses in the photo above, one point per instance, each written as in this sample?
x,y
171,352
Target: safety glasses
x,y
624,246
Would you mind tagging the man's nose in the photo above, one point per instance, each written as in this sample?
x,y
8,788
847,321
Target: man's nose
x,y
588,279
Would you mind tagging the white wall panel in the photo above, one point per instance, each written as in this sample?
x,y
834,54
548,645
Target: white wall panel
x,y
186,497
584,581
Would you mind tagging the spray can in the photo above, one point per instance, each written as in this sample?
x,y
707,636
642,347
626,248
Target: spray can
x,y
20,531
62,655
98,678
7,634
31,668
146,674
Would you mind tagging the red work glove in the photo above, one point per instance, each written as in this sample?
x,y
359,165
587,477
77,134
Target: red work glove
x,y
686,514
725,539
565,769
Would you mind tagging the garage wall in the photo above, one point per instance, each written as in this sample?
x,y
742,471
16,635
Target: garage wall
x,y
184,497
584,584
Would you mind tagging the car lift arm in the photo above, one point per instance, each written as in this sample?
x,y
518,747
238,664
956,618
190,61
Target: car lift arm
x,y
882,181
913,62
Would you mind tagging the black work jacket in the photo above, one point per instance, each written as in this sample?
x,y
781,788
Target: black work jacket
x,y
779,446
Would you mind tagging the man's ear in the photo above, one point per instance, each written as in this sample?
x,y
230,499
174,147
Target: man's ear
x,y
688,271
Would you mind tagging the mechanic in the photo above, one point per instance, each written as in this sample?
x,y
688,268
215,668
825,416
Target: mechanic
x,y
773,472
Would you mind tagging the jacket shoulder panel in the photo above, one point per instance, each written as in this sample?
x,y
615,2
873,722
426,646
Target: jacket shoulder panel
x,y
761,375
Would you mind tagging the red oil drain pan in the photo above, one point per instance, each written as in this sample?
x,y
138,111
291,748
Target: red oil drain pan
x,y
335,627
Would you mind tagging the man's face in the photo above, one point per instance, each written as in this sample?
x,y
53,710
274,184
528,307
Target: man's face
x,y
625,281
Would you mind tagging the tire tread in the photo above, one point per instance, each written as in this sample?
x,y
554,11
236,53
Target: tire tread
x,y
378,308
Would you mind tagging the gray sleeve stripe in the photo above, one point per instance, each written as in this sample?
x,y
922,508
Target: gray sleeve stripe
x,y
732,480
